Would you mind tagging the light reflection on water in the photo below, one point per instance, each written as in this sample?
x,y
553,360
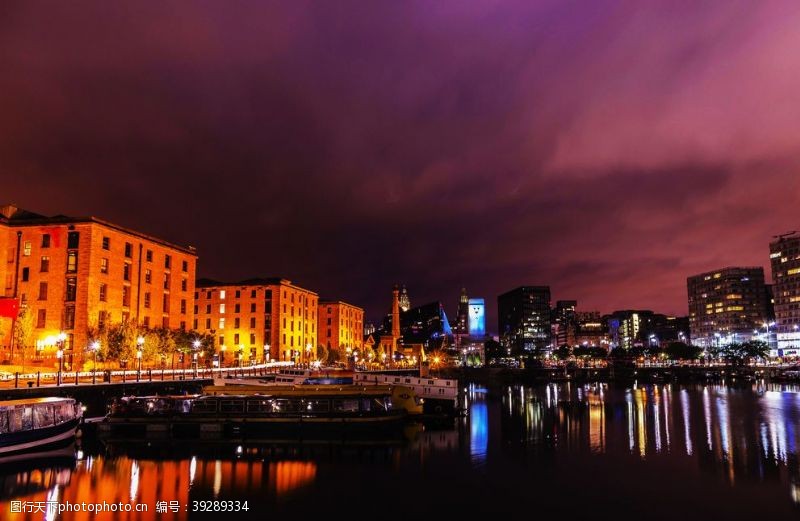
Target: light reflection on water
x,y
735,436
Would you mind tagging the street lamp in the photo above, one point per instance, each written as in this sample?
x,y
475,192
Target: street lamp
x,y
308,354
222,355
139,350
266,353
60,339
95,346
239,355
60,356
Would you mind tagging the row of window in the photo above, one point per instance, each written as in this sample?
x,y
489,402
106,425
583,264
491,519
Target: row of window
x,y
73,241
238,294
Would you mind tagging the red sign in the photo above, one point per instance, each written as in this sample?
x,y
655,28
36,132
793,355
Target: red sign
x,y
9,307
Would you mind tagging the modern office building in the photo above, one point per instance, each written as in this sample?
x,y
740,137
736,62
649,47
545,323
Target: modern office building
x,y
728,305
76,275
564,322
461,325
524,319
341,325
258,319
785,260
590,330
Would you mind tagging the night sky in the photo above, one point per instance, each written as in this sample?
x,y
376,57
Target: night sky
x,y
608,149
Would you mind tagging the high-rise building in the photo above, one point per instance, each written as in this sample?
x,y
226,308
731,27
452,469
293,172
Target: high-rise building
x,y
785,259
524,319
341,325
258,319
727,305
461,326
76,275
564,322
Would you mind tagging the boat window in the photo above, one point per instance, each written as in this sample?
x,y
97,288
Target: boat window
x,y
345,405
204,406
3,422
397,379
42,416
259,406
231,406
408,380
15,420
366,404
284,405
378,404
27,418
63,412
317,406
430,382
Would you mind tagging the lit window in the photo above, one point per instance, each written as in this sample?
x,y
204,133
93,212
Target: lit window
x,y
222,293
222,323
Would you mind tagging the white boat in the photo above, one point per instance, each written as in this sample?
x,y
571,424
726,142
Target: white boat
x,y
440,394
289,376
37,422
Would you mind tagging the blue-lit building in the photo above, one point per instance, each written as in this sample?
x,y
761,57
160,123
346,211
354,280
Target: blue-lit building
x,y
477,317
424,325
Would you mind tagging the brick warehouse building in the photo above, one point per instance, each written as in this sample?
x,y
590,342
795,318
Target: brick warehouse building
x,y
77,273
258,317
341,325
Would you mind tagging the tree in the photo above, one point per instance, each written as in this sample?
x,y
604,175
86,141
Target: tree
x,y
334,355
563,352
23,330
121,341
682,351
322,352
753,349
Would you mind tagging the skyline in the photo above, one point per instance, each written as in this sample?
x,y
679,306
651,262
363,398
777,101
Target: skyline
x,y
660,143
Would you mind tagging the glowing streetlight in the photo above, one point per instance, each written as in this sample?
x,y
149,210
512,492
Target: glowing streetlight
x,y
95,347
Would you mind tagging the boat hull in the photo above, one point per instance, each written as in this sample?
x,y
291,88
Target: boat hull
x,y
277,428
24,441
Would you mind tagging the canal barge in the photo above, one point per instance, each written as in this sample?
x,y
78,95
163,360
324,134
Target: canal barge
x,y
34,423
296,411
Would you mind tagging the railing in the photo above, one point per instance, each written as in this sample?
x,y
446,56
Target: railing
x,y
40,378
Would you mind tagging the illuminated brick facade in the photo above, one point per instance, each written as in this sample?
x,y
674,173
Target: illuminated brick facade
x,y
76,274
340,325
259,317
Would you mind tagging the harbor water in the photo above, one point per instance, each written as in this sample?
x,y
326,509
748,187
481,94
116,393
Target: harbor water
x,y
665,451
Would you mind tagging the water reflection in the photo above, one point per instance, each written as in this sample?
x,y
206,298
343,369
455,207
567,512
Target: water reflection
x,y
750,433
479,424
734,442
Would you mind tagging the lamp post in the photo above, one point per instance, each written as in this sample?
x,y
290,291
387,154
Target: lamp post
x,y
139,352
60,339
95,348
60,356
308,354
196,345
239,355
222,355
266,353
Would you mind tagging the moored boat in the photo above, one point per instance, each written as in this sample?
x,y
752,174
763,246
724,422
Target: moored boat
x,y
34,423
281,411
